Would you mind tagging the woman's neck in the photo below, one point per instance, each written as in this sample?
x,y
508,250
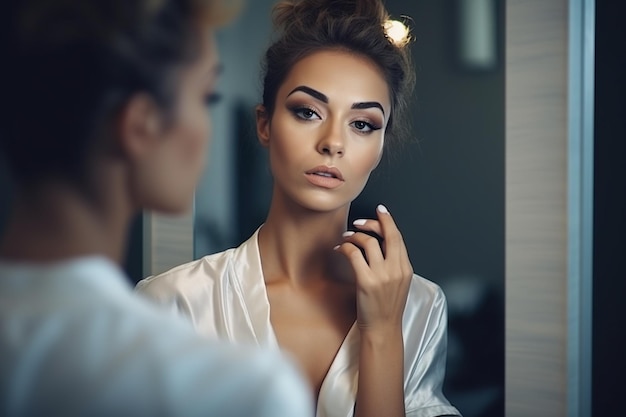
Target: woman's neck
x,y
56,222
297,245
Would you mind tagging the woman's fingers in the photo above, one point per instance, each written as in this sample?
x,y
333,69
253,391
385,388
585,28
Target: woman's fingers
x,y
356,258
369,225
369,244
387,252
383,270
393,247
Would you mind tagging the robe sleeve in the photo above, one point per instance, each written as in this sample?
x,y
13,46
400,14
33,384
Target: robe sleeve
x,y
167,292
425,370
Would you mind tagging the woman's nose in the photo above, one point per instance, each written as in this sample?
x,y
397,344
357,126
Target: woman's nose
x,y
331,143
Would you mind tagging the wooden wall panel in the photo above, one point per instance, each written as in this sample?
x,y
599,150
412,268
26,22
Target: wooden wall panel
x,y
536,208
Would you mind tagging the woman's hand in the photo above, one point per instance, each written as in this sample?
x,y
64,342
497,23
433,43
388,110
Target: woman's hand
x,y
383,272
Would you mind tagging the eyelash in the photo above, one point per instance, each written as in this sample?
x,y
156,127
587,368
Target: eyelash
x,y
298,110
211,99
372,127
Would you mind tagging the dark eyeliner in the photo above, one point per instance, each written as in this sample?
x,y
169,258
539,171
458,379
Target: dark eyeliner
x,y
371,126
297,109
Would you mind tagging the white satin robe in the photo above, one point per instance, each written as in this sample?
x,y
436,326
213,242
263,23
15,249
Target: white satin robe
x,y
224,295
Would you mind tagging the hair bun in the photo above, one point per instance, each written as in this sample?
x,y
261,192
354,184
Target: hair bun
x,y
312,12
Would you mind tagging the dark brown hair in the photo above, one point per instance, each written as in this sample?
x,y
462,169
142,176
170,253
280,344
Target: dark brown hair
x,y
74,63
306,26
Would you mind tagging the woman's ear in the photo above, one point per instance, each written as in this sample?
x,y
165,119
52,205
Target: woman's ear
x,y
138,126
262,125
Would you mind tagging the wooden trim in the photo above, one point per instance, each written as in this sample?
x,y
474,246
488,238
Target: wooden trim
x,y
536,208
168,242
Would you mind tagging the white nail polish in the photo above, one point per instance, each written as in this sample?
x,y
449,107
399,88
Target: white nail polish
x,y
359,222
336,247
382,209
348,233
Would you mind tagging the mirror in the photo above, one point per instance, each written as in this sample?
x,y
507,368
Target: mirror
x,y
445,188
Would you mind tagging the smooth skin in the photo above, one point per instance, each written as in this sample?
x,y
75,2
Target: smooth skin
x,y
331,111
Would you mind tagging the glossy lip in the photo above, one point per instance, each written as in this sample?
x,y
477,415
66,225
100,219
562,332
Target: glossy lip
x,y
323,169
333,180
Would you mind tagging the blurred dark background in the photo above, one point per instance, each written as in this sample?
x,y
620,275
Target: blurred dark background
x,y
609,206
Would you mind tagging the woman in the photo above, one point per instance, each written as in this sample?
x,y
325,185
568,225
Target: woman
x,y
368,333
108,117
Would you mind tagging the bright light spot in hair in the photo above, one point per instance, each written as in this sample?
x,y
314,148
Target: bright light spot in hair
x,y
397,32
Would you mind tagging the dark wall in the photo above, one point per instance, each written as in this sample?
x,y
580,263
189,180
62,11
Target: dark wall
x,y
609,246
133,262
445,188
5,195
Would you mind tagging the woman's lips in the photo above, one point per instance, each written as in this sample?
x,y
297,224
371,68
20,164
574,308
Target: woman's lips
x,y
324,176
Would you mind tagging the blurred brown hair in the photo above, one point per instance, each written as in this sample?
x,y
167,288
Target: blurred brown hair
x,y
73,64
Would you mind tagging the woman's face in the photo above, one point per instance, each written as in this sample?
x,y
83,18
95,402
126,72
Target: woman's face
x,y
326,134
178,158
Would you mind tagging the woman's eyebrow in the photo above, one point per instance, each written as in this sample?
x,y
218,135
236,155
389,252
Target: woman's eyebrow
x,y
323,98
368,105
310,91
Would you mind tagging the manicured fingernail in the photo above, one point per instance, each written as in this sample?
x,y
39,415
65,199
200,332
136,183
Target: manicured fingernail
x,y
359,222
336,247
348,233
382,209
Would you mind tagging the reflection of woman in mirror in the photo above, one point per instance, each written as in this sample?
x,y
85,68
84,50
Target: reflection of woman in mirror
x,y
369,334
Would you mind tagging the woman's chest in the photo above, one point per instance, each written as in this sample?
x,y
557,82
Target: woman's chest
x,y
313,332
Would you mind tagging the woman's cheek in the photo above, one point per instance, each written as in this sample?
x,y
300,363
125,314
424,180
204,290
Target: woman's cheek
x,y
196,136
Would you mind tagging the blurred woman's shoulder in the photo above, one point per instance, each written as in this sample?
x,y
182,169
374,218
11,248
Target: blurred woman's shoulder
x,y
186,278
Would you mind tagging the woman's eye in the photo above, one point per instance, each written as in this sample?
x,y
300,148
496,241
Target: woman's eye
x,y
363,126
305,113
